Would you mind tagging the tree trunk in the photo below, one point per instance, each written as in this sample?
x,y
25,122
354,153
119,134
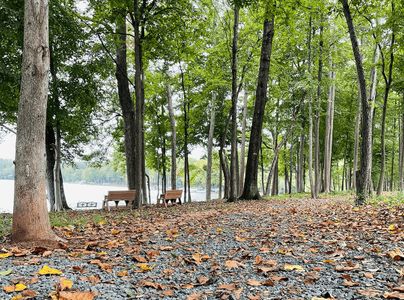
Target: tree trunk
x,y
173,140
387,80
329,123
57,172
317,175
300,166
250,184
290,167
126,103
30,214
356,143
312,183
233,154
139,107
401,162
393,154
362,191
50,163
243,138
62,193
210,148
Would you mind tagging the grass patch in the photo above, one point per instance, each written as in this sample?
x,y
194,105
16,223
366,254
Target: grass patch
x,y
390,199
5,224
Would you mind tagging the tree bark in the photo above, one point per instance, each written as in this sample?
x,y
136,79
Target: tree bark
x,y
126,103
57,172
387,80
317,175
50,163
329,130
250,190
356,142
310,166
362,191
393,154
401,162
234,95
210,148
173,140
30,214
243,139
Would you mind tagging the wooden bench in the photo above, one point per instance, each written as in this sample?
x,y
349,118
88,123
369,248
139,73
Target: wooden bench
x,y
116,196
171,195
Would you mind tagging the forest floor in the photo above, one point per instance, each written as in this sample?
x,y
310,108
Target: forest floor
x,y
268,249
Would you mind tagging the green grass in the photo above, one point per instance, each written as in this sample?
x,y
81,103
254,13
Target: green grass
x,y
390,199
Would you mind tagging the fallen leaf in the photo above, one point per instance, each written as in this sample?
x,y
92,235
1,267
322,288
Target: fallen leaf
x,y
229,287
46,270
253,282
369,293
232,264
168,293
145,267
368,275
349,283
341,268
5,255
65,284
14,288
115,231
76,295
195,296
122,273
140,259
394,295
396,254
203,280
6,272
288,267
28,294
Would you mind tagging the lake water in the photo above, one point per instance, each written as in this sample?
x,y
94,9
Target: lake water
x,y
81,193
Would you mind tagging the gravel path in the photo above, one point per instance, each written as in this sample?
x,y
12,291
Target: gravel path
x,y
291,249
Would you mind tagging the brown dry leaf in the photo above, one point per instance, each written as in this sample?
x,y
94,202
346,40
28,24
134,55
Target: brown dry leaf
x,y
237,293
369,293
166,248
349,283
341,268
258,260
115,231
279,278
29,294
396,254
240,239
94,279
187,286
76,295
122,273
147,283
139,258
232,264
368,275
394,295
203,280
229,287
197,258
168,293
268,282
195,296
253,282
399,288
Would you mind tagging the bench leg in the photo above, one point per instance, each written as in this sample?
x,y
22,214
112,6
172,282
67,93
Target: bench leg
x,y
180,200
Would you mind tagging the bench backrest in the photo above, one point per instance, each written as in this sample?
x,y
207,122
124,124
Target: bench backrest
x,y
173,194
122,195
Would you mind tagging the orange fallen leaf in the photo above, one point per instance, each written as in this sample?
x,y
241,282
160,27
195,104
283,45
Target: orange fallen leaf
x,y
65,284
253,282
396,254
76,295
14,288
369,293
393,295
232,264
140,259
122,273
229,287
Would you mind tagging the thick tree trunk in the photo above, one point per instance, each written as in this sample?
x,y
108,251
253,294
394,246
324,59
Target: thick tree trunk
x,y
387,80
226,172
233,154
393,154
362,191
30,214
243,139
300,183
329,123
126,103
290,167
356,142
250,184
173,140
317,175
210,148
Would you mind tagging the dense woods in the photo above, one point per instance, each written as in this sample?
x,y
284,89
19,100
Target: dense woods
x,y
281,96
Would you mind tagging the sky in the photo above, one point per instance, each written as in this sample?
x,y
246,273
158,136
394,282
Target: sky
x,y
7,146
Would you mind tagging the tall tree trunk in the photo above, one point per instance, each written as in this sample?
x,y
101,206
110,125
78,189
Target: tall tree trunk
x,y
137,18
300,165
163,154
356,142
50,163
233,154
250,184
30,214
126,103
220,180
243,139
362,191
62,193
401,162
173,140
210,148
262,170
310,166
290,167
329,123
317,175
57,171
387,80
393,154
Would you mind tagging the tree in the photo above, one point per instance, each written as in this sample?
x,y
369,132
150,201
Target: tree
x,y
363,182
251,184
30,217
